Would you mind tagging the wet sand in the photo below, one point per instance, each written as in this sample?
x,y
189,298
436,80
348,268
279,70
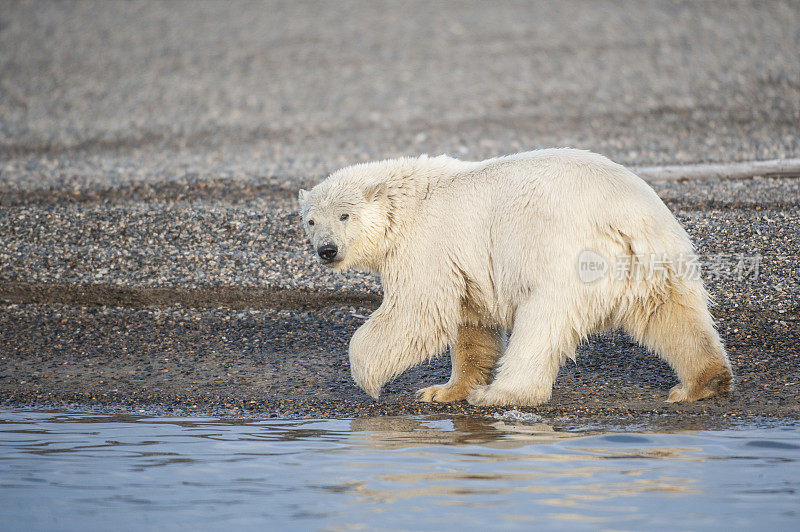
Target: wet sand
x,y
151,257
281,350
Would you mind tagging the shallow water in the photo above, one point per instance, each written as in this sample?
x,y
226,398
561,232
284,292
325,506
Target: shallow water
x,y
88,471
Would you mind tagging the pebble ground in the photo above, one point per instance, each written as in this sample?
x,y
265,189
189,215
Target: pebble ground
x,y
150,155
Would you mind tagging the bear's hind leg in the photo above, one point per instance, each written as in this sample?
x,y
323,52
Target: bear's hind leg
x,y
681,331
540,342
473,358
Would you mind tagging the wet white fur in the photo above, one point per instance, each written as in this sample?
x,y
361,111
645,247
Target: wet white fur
x,y
497,242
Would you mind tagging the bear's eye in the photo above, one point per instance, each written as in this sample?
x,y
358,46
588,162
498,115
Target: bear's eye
x,y
344,217
311,222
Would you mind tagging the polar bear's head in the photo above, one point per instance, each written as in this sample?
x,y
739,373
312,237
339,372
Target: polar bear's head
x,y
345,220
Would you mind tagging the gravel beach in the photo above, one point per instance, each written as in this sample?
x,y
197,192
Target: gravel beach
x,y
150,155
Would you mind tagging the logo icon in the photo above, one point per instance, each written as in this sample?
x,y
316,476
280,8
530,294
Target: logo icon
x,y
591,266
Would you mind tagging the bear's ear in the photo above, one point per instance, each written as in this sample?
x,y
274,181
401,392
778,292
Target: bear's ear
x,y
376,192
302,195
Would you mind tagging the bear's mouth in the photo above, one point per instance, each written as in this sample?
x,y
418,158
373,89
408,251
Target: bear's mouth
x,y
332,263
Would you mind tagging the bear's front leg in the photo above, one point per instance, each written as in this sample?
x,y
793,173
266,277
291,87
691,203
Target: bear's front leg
x,y
367,357
472,358
540,341
389,343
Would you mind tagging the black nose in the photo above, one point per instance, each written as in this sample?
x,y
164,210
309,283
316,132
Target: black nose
x,y
327,251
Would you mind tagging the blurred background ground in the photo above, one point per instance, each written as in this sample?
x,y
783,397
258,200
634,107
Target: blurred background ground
x,y
103,93
151,152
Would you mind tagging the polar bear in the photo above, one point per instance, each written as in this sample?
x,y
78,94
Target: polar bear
x,y
530,244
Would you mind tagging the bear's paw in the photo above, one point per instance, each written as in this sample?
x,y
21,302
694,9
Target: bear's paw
x,y
442,393
711,383
492,395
